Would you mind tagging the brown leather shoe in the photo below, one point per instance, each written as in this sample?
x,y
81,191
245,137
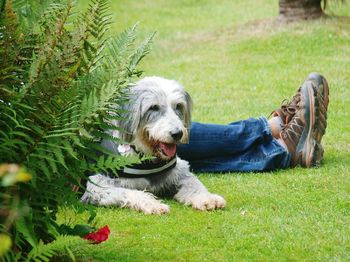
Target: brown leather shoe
x,y
289,108
302,132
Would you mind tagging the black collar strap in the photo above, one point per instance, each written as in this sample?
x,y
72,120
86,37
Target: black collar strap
x,y
148,168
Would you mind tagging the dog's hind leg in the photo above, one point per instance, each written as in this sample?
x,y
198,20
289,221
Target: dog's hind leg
x,y
192,192
101,191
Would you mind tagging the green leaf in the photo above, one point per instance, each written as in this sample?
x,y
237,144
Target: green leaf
x,y
140,53
26,228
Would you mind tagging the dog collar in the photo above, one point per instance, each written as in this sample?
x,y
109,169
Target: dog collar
x,y
148,168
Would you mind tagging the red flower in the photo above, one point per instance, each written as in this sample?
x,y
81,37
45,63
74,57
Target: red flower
x,y
99,236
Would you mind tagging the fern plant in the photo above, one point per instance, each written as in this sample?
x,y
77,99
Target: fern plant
x,y
61,80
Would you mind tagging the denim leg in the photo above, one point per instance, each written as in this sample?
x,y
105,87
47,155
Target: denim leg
x,y
242,146
211,140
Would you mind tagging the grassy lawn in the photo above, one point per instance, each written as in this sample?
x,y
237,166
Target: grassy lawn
x,y
236,62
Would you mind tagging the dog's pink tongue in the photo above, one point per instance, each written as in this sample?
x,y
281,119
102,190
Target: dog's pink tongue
x,y
168,149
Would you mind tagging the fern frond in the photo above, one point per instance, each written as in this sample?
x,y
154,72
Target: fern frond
x,y
42,252
95,23
53,29
140,53
30,11
112,164
98,100
119,47
12,73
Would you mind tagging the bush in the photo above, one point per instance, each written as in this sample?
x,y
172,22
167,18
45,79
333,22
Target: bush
x,y
61,79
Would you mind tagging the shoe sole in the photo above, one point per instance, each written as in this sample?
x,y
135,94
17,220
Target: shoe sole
x,y
322,88
308,146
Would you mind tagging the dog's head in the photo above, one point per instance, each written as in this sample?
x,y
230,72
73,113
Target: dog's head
x,y
157,116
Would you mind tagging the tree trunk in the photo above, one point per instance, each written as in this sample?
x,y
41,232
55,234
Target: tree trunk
x,y
293,10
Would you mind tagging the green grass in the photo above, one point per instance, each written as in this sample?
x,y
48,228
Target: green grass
x,y
236,62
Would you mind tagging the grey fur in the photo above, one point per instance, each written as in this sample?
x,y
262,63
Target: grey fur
x,y
157,107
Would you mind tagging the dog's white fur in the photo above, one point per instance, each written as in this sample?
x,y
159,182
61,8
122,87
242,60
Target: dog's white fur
x,y
157,108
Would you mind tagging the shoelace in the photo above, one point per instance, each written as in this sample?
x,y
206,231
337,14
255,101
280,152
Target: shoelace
x,y
289,108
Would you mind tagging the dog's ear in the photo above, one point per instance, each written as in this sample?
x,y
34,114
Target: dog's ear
x,y
188,112
187,116
131,115
189,104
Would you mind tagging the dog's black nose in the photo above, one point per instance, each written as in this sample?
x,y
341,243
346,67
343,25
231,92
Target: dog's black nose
x,y
176,134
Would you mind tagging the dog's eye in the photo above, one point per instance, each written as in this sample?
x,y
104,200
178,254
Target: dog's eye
x,y
154,108
179,107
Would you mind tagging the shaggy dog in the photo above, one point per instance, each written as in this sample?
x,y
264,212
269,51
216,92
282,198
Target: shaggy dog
x,y
158,116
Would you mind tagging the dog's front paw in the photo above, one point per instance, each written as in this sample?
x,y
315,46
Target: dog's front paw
x,y
146,203
154,208
207,202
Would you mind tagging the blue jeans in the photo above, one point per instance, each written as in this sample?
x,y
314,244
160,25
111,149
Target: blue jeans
x,y
241,146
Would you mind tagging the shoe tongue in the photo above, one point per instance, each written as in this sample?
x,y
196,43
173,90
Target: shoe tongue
x,y
168,149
